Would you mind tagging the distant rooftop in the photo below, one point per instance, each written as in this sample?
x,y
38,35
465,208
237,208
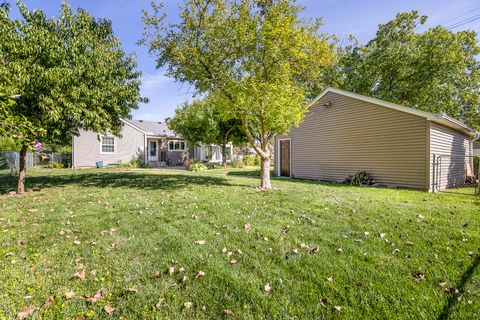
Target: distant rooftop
x,y
154,128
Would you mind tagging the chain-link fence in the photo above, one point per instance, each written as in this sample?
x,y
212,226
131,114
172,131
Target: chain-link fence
x,y
9,160
456,173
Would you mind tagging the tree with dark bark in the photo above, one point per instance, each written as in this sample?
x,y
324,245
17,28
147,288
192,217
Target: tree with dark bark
x,y
70,73
260,57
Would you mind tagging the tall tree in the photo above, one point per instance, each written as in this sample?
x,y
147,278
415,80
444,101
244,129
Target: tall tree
x,y
202,120
435,71
71,74
258,56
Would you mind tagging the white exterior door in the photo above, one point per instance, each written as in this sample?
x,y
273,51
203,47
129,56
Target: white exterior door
x,y
152,150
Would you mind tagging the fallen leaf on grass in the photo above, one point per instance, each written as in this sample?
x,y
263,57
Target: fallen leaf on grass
x,y
337,308
267,287
233,261
26,312
228,313
409,243
224,249
200,274
188,305
157,274
454,291
171,270
133,290
247,226
77,242
69,295
113,232
160,303
339,250
200,242
314,250
98,295
366,233
48,302
330,279
395,251
109,309
419,277
80,275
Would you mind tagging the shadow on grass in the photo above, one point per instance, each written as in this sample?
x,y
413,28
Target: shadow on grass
x,y
466,277
124,179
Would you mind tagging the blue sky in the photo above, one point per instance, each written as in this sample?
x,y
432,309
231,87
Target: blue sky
x,y
341,17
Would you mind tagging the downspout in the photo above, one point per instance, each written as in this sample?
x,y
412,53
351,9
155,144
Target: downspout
x,y
145,148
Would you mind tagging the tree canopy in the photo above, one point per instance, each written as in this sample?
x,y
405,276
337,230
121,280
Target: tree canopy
x,y
435,71
260,57
202,121
70,72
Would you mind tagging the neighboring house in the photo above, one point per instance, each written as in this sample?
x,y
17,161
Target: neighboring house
x,y
211,152
344,133
151,141
476,147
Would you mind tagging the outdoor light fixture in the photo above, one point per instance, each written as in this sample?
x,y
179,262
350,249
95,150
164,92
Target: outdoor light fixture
x,y
328,104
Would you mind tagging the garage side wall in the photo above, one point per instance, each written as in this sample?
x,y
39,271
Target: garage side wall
x,y
86,148
454,147
351,135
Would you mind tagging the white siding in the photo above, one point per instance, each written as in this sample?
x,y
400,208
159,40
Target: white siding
x,y
86,148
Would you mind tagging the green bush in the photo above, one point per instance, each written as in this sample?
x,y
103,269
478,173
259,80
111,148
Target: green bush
x,y
197,166
56,165
236,163
257,161
213,165
249,161
135,163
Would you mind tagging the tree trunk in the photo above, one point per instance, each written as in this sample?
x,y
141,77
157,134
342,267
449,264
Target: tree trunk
x,y
22,170
224,154
265,173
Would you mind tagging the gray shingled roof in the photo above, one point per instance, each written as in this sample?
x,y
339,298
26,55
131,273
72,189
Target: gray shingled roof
x,y
153,128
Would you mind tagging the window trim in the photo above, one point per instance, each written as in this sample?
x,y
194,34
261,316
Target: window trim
x,y
179,144
114,144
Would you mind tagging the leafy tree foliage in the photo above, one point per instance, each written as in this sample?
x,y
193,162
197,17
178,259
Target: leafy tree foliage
x,y
202,121
258,56
71,73
435,71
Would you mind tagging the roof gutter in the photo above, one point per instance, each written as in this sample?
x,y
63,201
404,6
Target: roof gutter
x,y
453,123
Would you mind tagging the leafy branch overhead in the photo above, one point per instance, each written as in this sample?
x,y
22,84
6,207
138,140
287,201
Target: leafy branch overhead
x,y
260,57
435,71
70,73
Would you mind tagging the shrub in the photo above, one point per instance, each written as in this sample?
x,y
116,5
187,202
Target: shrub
x,y
134,163
236,163
213,165
249,161
56,165
197,166
257,161
361,178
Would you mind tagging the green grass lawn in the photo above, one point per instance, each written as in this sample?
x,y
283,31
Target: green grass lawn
x,y
321,250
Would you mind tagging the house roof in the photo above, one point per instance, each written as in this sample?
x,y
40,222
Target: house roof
x,y
435,117
152,128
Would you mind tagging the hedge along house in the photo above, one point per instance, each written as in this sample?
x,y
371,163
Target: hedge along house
x,y
151,141
344,133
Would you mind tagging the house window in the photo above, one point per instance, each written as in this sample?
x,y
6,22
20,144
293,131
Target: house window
x,y
174,145
108,144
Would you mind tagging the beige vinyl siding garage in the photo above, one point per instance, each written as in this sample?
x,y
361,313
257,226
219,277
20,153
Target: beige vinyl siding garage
x,y
352,135
454,148
86,148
